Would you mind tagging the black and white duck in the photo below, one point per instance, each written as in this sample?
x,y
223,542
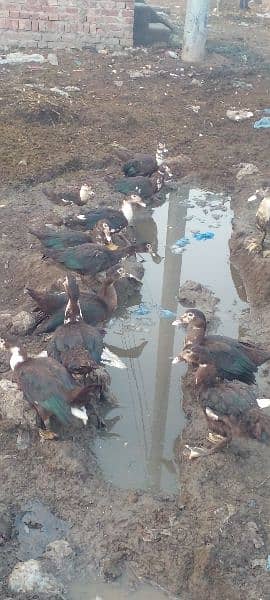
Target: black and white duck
x,y
262,217
49,389
146,187
78,196
90,259
231,408
116,219
96,308
66,238
233,359
145,164
77,345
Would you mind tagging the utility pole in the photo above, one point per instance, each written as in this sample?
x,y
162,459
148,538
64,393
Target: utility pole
x,y
195,33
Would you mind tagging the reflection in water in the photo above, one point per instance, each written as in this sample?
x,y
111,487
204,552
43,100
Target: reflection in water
x,y
138,453
170,286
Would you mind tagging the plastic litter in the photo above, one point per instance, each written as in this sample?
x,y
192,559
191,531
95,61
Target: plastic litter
x,y
165,313
263,123
182,242
20,57
141,311
202,236
266,111
239,115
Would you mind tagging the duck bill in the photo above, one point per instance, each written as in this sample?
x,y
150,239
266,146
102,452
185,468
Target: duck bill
x,y
155,257
140,203
177,322
131,276
252,198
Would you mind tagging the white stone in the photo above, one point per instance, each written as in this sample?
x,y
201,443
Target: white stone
x,y
28,577
22,323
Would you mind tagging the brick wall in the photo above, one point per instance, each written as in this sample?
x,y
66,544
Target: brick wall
x,y
66,23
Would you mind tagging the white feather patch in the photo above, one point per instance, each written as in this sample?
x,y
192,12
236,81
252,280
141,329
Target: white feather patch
x,y
80,413
109,358
263,402
210,414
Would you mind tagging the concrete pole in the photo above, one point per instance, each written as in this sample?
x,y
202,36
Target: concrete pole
x,y
195,33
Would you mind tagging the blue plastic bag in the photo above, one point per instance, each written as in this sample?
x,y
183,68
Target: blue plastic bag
x,y
167,314
182,242
205,235
263,123
141,311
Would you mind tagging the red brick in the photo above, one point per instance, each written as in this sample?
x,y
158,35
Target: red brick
x,y
50,26
3,23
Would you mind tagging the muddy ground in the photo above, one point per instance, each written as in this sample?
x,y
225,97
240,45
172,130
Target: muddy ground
x,y
200,544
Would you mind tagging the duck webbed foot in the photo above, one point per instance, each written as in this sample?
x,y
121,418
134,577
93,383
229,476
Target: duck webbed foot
x,y
254,247
219,442
44,433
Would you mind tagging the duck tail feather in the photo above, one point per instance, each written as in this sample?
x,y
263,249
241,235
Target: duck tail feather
x,y
111,359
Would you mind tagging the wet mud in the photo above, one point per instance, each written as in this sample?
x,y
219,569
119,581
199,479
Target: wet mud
x,y
207,536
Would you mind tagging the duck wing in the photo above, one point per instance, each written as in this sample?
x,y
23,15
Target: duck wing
x,y
229,398
76,337
134,185
230,362
88,220
141,164
254,353
94,311
87,258
48,302
46,386
60,240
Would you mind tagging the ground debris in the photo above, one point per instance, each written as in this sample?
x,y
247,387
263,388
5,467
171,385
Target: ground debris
x,y
29,577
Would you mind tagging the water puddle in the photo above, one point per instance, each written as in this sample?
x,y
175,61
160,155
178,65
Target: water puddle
x,y
138,451
120,590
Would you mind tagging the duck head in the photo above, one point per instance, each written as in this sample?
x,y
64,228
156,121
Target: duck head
x,y
191,316
18,356
194,355
86,192
73,313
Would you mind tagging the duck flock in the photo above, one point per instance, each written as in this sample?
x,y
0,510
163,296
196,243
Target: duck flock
x,y
69,379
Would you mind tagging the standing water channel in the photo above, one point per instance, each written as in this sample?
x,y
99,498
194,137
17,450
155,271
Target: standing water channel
x,y
138,451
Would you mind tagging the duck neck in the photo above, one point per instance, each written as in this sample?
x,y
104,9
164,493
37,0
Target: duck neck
x,y
195,334
73,313
127,210
108,295
159,157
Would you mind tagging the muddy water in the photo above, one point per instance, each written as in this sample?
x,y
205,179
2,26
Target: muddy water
x,y
138,450
95,590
